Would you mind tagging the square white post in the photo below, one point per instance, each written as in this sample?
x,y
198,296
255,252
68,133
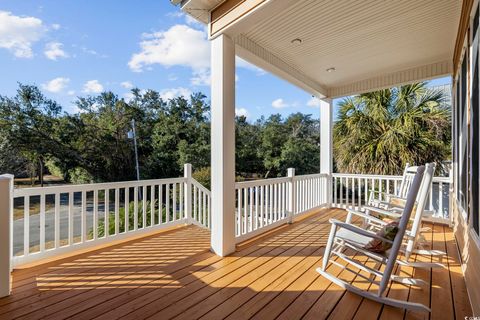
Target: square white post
x,y
187,174
6,226
223,145
291,194
326,144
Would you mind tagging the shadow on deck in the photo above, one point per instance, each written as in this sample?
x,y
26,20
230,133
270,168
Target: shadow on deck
x,y
174,275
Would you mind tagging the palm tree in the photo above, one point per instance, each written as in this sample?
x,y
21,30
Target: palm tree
x,y
379,132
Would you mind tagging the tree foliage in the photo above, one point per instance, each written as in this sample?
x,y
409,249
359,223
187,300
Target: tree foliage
x,y
92,145
381,131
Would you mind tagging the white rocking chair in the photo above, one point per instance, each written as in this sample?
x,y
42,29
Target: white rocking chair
x,y
344,235
394,211
383,199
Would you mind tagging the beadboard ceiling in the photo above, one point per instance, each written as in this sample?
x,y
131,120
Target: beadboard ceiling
x,y
363,40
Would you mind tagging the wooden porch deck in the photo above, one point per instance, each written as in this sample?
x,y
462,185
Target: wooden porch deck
x,y
174,275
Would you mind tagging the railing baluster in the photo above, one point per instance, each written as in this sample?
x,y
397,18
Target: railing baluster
x,y
195,205
209,212
144,206
135,208
167,202
250,218
239,212
341,192
174,201
84,216
335,201
181,203
70,218
107,212
358,198
152,205
256,208
353,193
117,211
56,228
440,199
430,200
42,222
204,208
26,225
245,210
127,208
160,203
95,214
262,205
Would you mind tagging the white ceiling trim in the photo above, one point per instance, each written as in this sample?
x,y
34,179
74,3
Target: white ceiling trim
x,y
262,58
425,72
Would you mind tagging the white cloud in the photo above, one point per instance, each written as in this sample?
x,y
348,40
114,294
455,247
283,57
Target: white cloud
x,y
192,21
172,77
188,19
56,26
18,33
180,45
279,104
54,50
56,85
175,14
127,84
168,94
128,96
314,102
242,112
71,92
200,78
92,86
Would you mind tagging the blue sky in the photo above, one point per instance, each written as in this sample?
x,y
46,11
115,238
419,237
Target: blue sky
x,y
76,48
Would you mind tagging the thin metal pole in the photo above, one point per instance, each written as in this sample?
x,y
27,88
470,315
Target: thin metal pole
x,y
136,151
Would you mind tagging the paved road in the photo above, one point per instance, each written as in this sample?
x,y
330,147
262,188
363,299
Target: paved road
x,y
18,226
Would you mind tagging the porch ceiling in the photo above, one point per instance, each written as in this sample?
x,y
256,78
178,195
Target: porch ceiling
x,y
371,44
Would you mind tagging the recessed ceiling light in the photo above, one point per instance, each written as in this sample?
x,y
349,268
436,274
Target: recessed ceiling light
x,y
332,69
296,41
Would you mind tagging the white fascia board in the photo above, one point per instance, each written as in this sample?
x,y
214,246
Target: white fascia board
x,y
393,79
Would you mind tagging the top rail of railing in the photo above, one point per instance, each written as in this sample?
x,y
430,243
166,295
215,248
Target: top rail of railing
x,y
19,192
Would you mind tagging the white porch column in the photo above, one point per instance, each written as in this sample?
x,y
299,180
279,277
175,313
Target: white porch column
x,y
6,220
326,144
223,145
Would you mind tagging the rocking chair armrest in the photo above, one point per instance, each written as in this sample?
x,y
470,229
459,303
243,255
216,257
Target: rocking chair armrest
x,y
357,230
366,216
389,213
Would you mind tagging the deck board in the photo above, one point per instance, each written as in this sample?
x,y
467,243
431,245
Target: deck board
x,y
174,275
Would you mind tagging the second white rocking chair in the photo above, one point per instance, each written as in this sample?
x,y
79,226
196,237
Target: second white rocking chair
x,y
413,231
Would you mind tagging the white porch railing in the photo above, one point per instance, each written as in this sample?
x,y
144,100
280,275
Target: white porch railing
x,y
353,190
266,204
201,210
50,221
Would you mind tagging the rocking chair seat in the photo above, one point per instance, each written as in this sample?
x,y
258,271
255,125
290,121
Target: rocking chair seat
x,y
352,237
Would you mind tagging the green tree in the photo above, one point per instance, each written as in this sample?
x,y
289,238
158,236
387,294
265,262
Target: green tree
x,y
247,140
274,135
301,149
181,134
29,122
379,132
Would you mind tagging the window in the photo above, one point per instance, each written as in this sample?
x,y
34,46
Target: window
x,y
463,135
474,130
